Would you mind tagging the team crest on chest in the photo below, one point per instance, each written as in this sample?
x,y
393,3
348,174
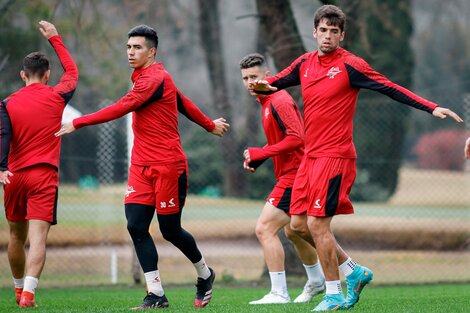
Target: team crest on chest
x,y
333,72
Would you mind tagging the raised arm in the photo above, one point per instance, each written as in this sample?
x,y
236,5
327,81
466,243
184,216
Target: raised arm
x,y
68,82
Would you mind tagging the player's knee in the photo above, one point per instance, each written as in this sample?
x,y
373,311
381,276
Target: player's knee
x,y
291,234
171,235
136,231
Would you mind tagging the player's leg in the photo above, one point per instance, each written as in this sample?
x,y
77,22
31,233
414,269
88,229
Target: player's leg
x,y
17,255
325,243
357,276
35,260
171,189
15,202
139,210
316,280
139,217
271,220
172,231
41,182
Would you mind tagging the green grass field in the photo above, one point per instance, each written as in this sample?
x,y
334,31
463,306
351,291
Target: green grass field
x,y
431,298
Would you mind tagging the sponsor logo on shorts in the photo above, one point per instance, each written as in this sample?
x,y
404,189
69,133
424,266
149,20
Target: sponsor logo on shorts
x,y
317,204
170,204
130,189
271,200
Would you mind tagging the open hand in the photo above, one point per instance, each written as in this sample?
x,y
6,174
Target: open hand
x,y
47,29
66,129
444,112
221,127
4,177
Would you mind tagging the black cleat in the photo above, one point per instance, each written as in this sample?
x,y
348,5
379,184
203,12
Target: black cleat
x,y
204,290
152,301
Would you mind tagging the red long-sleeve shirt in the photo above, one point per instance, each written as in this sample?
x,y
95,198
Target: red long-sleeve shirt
x,y
154,102
283,127
30,117
330,86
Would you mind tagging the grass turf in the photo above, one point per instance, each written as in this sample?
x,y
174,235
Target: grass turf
x,y
431,298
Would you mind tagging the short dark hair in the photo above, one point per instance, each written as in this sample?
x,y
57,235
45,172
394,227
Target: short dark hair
x,y
333,14
150,34
35,64
252,60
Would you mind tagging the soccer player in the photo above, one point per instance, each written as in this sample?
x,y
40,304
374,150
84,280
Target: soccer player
x,y
29,161
331,78
283,127
158,172
467,148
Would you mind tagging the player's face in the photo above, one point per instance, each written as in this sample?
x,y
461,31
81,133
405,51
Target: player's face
x,y
328,37
251,74
138,54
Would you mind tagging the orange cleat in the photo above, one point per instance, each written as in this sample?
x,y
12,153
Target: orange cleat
x,y
27,300
18,292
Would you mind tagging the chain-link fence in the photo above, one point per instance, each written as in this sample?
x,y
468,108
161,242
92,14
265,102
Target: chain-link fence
x,y
419,234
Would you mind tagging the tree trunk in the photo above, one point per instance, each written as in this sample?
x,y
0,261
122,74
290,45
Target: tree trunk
x,y
210,33
282,37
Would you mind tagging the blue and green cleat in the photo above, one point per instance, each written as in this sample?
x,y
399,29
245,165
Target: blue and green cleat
x,y
359,278
331,302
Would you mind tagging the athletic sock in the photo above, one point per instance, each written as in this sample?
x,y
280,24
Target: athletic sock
x,y
18,282
30,284
154,285
347,267
315,274
278,282
202,269
333,287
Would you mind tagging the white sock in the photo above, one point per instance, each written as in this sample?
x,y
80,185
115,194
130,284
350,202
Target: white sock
x,y
154,284
278,282
315,274
202,269
333,287
30,284
347,267
19,282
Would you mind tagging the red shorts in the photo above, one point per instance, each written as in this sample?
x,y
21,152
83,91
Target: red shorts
x,y
280,196
322,186
32,194
162,186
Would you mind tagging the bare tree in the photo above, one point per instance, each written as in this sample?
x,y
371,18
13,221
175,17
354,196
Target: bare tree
x,y
210,32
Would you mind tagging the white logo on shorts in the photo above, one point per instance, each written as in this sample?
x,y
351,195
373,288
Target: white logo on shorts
x,y
317,204
171,203
130,189
271,200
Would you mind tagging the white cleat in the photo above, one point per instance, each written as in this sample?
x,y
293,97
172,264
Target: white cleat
x,y
309,292
272,298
